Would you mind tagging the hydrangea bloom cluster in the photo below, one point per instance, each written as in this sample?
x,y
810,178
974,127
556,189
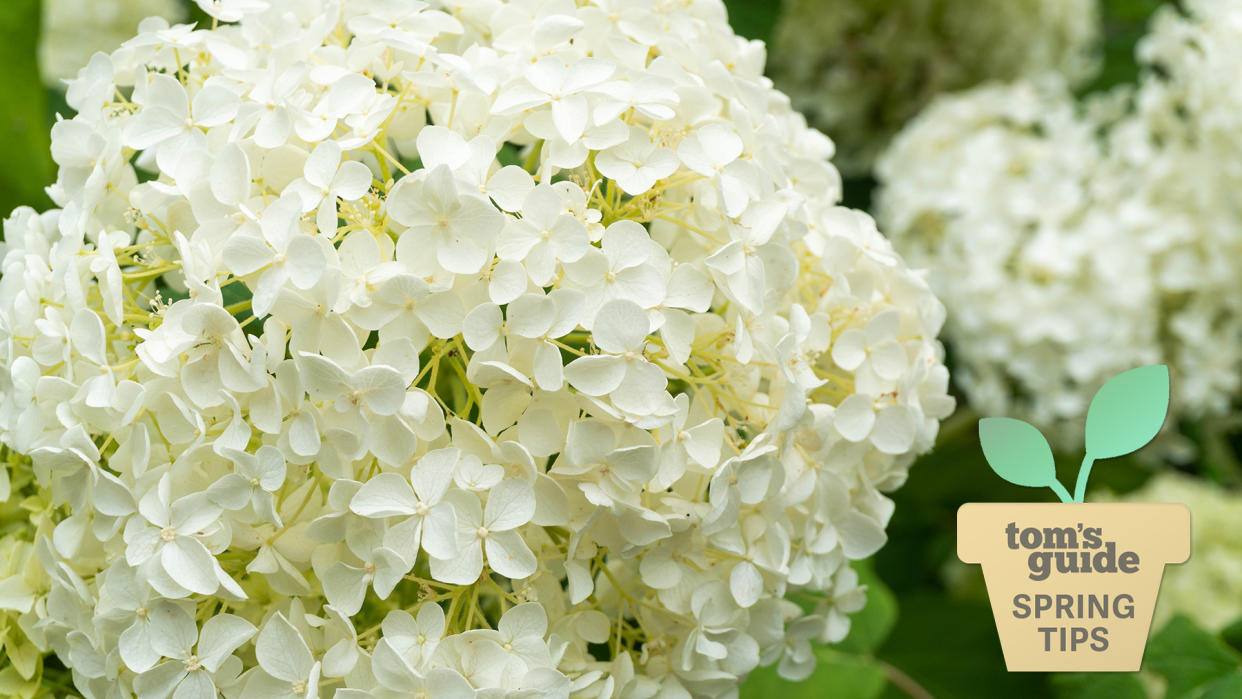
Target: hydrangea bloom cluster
x,y
488,349
1209,590
1074,240
861,70
74,30
1184,145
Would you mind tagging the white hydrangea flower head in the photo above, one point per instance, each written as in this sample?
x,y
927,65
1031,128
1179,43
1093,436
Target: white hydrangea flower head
x,y
1189,105
74,30
1208,590
1074,241
860,70
474,349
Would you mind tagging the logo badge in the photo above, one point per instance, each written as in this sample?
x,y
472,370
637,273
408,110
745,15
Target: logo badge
x,y
1073,585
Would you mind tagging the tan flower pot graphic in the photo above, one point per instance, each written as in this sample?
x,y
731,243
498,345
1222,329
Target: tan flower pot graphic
x,y
1073,585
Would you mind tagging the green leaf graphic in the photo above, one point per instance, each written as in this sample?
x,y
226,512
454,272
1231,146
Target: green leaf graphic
x,y
1127,412
1017,452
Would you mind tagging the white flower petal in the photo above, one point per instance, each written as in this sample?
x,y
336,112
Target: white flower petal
x,y
509,505
508,555
481,326
620,326
895,427
384,495
188,562
440,532
746,584
595,375
462,569
854,417
281,650
221,635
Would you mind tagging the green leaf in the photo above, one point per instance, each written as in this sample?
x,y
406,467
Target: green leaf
x,y
1017,452
1098,685
1227,687
1127,412
1189,657
24,135
836,675
1232,634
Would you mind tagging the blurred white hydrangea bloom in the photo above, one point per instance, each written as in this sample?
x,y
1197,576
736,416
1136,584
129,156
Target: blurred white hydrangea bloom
x,y
74,30
860,70
1189,164
1208,587
1072,241
995,191
474,349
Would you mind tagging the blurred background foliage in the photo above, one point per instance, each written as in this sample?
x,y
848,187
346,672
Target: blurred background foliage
x,y
24,115
927,629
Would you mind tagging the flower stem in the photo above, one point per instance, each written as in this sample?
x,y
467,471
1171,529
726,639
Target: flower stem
x,y
907,684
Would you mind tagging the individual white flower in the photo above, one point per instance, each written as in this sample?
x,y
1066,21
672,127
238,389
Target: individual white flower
x,y
429,522
891,427
126,597
698,445
203,345
630,382
626,265
280,254
371,401
546,234
379,568
406,306
798,662
490,529
331,637
521,631
171,538
848,597
401,660
550,81
715,612
637,164
458,229
610,470
257,477
170,124
194,655
326,179
415,638
875,344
